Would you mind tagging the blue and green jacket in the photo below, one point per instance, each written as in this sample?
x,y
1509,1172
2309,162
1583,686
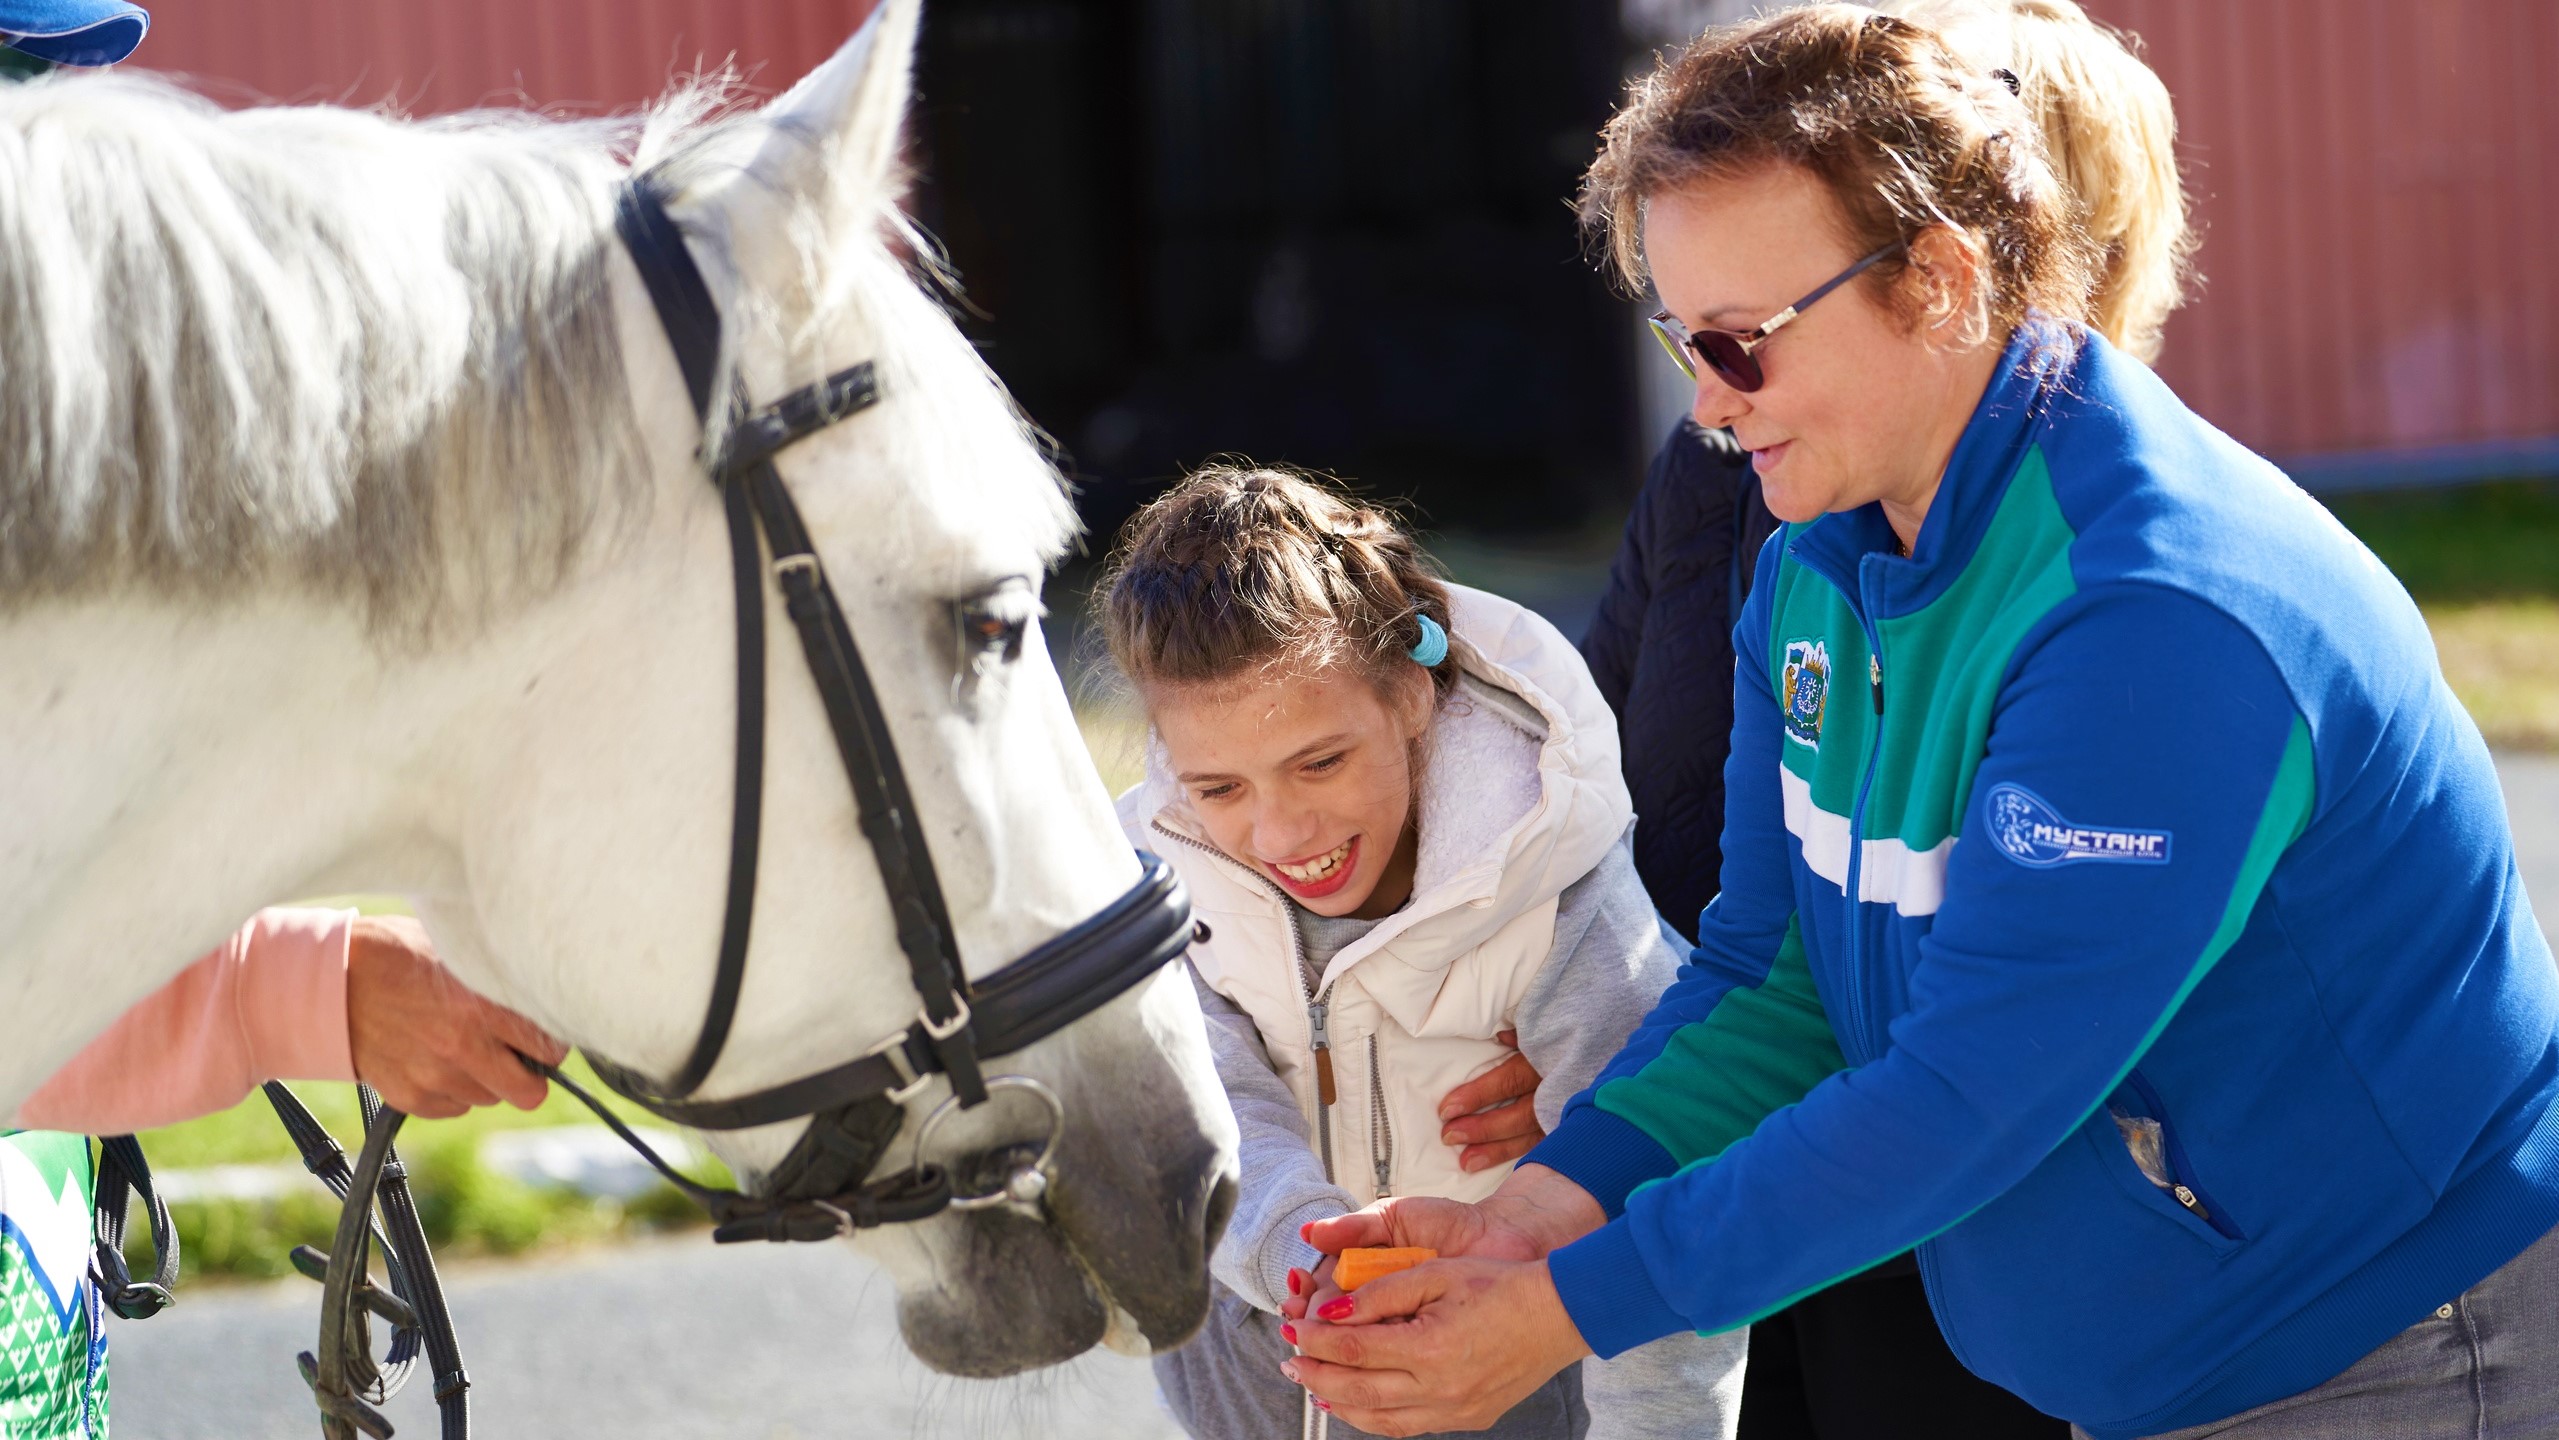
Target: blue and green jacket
x,y
2130,812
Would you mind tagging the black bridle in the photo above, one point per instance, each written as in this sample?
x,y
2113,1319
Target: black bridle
x,y
820,1190
824,1187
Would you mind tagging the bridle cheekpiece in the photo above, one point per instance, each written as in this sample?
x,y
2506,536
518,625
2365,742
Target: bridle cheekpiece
x,y
821,1189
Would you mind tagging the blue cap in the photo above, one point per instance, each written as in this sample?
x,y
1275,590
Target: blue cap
x,y
74,32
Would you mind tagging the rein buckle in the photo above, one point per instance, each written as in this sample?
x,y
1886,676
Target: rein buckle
x,y
950,1027
843,1218
893,1050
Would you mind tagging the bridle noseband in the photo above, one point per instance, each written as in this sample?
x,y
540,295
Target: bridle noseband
x,y
855,1110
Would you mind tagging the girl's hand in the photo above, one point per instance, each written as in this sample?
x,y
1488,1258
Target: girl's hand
x,y
1492,1119
1451,1227
1475,1338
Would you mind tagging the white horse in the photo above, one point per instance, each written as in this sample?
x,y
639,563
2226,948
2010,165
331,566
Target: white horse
x,y
352,538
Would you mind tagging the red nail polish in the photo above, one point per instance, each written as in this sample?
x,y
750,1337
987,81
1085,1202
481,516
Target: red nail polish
x,y
1289,1333
1306,1232
1324,1405
1335,1309
1296,1278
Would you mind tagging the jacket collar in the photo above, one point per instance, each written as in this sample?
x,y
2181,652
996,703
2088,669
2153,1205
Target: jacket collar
x,y
1846,545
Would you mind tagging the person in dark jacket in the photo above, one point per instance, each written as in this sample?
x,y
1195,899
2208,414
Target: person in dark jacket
x,y
1861,1360
1661,648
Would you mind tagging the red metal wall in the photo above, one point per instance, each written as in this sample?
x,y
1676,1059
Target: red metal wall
x,y
2378,180
430,56
2379,188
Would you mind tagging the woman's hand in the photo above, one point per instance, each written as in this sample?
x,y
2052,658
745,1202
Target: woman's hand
x,y
1492,1119
1481,1335
1536,1210
430,1046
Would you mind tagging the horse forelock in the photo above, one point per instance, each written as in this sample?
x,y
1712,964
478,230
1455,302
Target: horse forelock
x,y
371,359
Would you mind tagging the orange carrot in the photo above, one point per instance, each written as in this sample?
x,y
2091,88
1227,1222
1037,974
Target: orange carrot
x,y
1359,1266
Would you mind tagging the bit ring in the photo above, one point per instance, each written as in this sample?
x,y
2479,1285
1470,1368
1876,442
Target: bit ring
x,y
1028,1183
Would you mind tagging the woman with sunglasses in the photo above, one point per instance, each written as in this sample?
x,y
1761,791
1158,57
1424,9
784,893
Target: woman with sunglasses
x,y
2117,907
1863,1360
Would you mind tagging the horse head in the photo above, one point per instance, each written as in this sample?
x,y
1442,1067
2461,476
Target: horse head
x,y
358,538
934,515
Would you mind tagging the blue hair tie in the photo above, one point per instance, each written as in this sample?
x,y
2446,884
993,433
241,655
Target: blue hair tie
x,y
1434,643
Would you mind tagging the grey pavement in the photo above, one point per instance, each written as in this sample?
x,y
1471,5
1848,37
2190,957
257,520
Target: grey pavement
x,y
668,1339
2532,807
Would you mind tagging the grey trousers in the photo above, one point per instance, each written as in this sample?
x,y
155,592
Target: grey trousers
x,y
2484,1366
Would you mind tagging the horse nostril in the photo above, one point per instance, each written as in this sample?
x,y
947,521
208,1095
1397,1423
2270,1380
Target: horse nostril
x,y
1220,1208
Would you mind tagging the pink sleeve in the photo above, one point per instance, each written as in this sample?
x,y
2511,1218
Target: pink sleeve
x,y
270,1004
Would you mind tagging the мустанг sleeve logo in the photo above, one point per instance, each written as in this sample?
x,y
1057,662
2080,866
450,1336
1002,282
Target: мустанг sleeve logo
x,y
2028,830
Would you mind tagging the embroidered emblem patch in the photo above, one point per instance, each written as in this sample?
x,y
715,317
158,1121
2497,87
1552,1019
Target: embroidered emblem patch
x,y
1807,685
2028,830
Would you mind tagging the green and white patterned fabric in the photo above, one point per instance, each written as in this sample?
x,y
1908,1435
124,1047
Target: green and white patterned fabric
x,y
53,1347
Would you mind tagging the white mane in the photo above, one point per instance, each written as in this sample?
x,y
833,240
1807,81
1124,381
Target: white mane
x,y
330,349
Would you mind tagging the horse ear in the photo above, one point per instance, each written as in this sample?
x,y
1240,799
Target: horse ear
x,y
837,130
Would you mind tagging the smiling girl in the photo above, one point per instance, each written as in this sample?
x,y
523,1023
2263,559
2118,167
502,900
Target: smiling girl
x,y
1396,804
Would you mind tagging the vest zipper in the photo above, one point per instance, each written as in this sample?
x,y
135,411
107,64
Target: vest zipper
x,y
1319,1008
1381,1138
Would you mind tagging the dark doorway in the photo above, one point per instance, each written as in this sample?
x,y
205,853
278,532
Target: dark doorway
x,y
1329,232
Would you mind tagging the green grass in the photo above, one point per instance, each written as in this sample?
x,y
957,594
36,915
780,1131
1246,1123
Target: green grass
x,y
2502,658
2483,563
1115,734
2497,541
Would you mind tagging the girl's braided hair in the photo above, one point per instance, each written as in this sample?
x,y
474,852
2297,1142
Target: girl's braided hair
x,y
1241,569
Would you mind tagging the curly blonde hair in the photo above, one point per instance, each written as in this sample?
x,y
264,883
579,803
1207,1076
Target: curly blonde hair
x,y
2110,133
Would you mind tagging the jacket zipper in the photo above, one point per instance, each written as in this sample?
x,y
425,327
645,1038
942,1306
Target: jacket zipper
x,y
1854,991
1319,1008
1381,1138
2181,1171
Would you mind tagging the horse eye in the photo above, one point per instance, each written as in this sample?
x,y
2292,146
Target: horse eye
x,y
993,624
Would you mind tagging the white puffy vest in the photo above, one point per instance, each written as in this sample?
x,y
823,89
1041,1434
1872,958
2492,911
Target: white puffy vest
x,y
1521,796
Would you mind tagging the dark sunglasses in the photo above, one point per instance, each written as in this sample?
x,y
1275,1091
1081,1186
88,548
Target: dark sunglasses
x,y
1732,354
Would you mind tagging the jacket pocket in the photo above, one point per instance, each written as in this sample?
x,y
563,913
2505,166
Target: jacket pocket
x,y
2162,1175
